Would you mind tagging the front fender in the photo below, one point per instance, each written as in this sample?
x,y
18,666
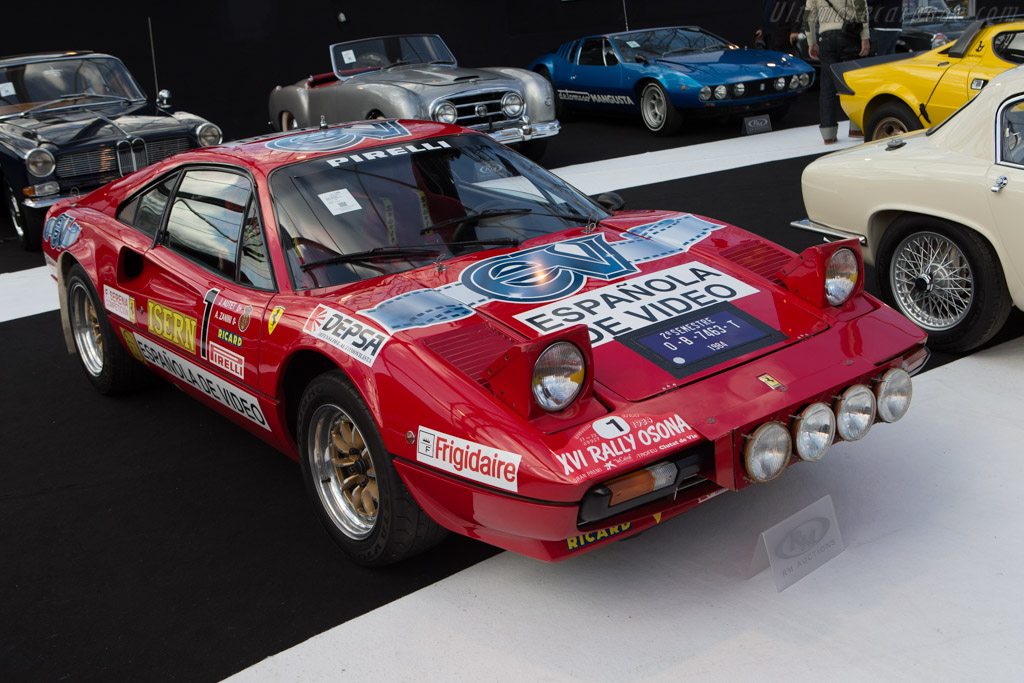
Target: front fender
x,y
289,98
540,96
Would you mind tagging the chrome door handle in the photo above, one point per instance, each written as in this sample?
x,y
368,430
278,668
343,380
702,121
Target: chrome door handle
x,y
1000,183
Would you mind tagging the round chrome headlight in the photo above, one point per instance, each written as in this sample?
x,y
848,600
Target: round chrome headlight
x,y
705,93
794,82
780,83
893,393
855,412
209,135
558,376
721,92
841,276
445,112
805,80
767,452
813,431
939,39
40,162
738,89
512,105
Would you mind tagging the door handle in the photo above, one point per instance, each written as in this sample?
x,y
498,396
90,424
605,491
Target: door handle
x,y
1000,183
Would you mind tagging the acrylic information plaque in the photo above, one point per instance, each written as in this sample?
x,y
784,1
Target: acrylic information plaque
x,y
798,545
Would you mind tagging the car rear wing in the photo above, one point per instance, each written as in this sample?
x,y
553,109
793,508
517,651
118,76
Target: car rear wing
x,y
840,68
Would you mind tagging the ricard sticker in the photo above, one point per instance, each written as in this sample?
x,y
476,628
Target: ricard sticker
x,y
351,337
469,460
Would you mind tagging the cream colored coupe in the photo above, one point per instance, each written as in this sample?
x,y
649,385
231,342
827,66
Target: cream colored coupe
x,y
940,213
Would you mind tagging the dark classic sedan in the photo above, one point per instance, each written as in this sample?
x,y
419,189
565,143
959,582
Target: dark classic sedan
x,y
73,121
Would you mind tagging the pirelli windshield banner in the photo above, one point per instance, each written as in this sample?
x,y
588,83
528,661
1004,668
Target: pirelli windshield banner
x,y
552,275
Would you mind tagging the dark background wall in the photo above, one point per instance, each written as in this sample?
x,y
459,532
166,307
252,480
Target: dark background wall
x,y
221,58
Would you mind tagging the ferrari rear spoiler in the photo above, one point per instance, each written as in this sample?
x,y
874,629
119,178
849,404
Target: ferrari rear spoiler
x,y
840,68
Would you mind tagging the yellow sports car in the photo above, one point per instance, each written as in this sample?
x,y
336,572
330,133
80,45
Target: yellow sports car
x,y
890,95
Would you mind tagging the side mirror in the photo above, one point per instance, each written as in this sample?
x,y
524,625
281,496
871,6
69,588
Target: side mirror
x,y
611,201
163,98
641,59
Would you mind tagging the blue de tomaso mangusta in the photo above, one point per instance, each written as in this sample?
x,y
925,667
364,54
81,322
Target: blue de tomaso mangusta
x,y
666,72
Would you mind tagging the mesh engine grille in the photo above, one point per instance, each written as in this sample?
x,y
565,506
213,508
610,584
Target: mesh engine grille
x,y
471,349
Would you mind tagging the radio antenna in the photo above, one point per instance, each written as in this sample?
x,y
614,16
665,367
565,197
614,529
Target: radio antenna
x,y
152,53
625,15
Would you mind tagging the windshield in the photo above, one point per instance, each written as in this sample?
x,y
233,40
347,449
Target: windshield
x,y
390,209
664,42
65,83
926,9
374,54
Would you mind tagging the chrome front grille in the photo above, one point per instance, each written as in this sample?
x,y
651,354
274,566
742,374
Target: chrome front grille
x,y
125,157
131,155
161,149
93,161
488,104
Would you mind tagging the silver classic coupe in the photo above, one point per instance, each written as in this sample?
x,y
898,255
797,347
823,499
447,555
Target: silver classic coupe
x,y
417,77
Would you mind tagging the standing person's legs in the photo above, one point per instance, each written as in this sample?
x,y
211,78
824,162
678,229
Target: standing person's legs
x,y
828,102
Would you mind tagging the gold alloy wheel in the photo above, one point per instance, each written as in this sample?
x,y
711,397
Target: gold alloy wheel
x,y
888,127
344,470
85,326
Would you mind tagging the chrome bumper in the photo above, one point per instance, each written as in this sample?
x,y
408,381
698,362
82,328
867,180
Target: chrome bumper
x,y
525,131
44,202
829,233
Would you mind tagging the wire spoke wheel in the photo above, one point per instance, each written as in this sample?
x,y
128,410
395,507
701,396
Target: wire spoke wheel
x,y
932,281
85,326
14,211
341,462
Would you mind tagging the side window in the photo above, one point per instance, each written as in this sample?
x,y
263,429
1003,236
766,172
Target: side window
x,y
254,261
206,218
1011,128
610,58
1010,46
591,52
145,212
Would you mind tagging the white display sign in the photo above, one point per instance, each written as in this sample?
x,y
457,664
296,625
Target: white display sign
x,y
6,89
349,56
339,201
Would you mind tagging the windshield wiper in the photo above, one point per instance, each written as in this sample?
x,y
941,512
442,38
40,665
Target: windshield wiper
x,y
486,213
75,96
400,62
375,254
441,61
496,242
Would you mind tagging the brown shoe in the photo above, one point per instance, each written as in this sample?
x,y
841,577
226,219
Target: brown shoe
x,y
830,141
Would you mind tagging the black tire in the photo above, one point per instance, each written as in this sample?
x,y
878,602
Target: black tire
x,y
27,224
890,119
946,278
657,112
106,362
288,122
355,490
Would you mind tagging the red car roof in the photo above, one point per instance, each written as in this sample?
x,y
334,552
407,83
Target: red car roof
x,y
265,153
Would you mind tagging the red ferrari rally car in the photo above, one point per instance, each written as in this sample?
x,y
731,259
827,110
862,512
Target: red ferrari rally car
x,y
447,336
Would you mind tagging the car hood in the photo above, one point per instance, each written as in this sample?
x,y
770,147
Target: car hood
x,y
79,125
729,65
426,76
637,274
